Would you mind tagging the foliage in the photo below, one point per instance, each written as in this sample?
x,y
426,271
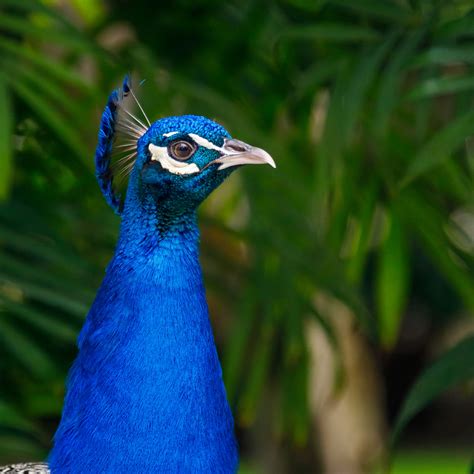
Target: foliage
x,y
365,107
449,371
432,462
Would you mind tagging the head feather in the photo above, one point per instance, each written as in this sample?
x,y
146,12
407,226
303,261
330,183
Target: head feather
x,y
116,149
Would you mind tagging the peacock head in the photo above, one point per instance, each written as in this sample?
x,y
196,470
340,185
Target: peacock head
x,y
178,161
185,158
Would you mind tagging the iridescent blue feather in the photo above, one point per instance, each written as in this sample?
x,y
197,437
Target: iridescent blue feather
x,y
104,151
108,131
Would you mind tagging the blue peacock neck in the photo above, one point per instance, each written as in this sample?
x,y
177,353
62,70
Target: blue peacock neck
x,y
145,393
150,226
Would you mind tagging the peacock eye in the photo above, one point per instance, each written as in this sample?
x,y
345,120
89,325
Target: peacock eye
x,y
181,150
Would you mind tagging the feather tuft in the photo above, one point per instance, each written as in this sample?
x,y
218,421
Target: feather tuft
x,y
116,150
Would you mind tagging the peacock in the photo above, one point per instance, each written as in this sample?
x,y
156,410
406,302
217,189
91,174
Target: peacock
x,y
145,392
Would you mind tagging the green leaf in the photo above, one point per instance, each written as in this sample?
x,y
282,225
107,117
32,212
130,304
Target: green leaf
x,y
391,78
315,76
374,8
338,32
452,368
362,238
47,88
347,100
20,447
459,27
52,33
444,56
234,354
313,6
6,130
70,305
441,85
429,223
55,121
392,283
440,147
361,80
54,69
35,6
51,327
25,350
10,418
294,400
70,285
257,376
37,248
349,95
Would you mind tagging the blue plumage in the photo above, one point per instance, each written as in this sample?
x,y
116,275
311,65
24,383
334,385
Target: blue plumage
x,y
145,393
104,150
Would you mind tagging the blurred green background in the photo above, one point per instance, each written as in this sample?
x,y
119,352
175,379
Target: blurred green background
x,y
340,284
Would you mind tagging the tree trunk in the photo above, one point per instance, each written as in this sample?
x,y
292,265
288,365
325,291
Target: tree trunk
x,y
350,417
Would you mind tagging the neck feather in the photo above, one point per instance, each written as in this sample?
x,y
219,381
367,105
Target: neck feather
x,y
149,226
145,393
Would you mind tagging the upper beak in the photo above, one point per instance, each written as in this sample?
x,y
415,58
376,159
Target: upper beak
x,y
237,153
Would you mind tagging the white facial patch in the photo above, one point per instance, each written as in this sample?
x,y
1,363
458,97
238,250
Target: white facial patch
x,y
160,154
205,143
169,134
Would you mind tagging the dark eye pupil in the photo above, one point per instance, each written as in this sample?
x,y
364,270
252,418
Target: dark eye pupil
x,y
183,149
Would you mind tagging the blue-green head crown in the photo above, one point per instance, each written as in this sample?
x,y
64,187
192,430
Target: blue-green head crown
x,y
176,160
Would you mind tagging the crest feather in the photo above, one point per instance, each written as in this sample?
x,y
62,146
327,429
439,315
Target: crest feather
x,y
116,150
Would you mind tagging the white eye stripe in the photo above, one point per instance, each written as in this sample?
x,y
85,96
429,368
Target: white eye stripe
x,y
205,143
160,154
169,134
198,140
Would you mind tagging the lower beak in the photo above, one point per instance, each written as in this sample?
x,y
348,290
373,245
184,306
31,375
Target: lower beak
x,y
235,153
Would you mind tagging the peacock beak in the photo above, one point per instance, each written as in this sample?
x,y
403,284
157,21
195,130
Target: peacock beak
x,y
235,153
